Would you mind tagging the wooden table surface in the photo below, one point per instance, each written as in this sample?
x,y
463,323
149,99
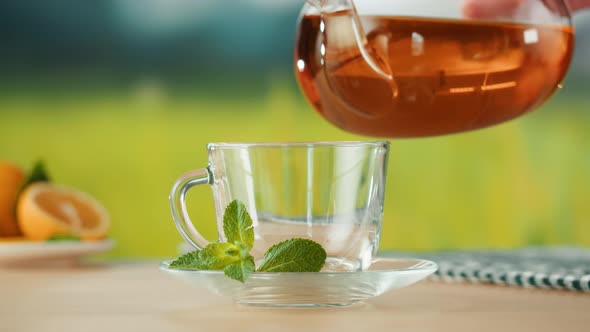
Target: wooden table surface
x,y
138,297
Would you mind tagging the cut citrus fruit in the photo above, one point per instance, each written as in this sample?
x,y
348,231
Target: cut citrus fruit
x,y
11,178
45,210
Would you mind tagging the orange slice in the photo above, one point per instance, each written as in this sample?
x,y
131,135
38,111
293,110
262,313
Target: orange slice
x,y
45,210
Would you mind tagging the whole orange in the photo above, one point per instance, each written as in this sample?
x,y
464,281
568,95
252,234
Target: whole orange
x,y
11,178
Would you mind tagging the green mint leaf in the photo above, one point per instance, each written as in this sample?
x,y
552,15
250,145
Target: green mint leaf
x,y
216,256
60,238
294,255
240,270
189,261
237,224
38,174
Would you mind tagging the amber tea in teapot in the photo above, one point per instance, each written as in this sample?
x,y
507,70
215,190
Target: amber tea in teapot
x,y
427,76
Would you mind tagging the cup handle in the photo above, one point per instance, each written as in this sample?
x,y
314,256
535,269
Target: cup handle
x,y
178,205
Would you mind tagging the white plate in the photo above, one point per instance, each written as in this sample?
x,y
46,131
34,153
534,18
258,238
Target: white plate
x,y
310,289
26,251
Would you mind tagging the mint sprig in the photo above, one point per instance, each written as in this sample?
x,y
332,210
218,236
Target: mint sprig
x,y
234,259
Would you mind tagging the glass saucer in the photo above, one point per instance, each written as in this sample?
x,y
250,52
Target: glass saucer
x,y
311,289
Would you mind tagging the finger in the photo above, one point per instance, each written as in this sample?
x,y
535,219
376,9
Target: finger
x,y
481,9
578,4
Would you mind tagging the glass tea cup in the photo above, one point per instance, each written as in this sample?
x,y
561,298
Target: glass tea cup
x,y
329,192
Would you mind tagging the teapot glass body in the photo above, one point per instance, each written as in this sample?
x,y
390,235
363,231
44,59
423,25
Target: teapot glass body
x,y
416,68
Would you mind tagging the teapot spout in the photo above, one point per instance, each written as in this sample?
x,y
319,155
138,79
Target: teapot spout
x,y
352,27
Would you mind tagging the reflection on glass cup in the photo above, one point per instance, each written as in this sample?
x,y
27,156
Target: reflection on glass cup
x,y
329,192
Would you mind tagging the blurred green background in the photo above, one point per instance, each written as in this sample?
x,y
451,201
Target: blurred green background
x,y
121,97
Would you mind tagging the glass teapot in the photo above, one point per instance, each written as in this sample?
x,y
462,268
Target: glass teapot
x,y
415,68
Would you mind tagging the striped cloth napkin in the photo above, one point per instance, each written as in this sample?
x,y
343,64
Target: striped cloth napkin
x,y
566,268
